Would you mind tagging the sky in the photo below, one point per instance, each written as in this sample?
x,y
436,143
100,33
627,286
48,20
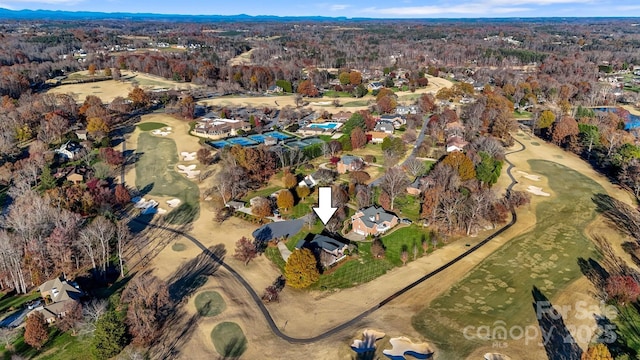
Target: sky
x,y
350,8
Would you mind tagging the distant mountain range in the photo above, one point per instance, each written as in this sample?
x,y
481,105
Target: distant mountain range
x,y
90,15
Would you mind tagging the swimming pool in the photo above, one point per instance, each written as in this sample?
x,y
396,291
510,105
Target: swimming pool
x,y
326,125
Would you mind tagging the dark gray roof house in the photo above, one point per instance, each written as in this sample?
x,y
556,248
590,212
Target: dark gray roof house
x,y
384,126
328,250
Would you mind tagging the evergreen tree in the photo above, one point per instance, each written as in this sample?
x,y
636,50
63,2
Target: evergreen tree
x,y
109,337
46,179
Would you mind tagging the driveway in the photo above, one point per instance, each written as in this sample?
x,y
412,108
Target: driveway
x,y
278,229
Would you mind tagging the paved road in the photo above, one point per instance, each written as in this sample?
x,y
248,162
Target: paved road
x,y
419,140
276,330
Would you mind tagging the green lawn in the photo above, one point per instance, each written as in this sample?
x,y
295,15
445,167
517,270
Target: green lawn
x,y
148,126
500,287
61,346
354,271
522,114
407,206
156,175
209,303
229,340
10,302
337,94
404,239
273,253
264,192
356,103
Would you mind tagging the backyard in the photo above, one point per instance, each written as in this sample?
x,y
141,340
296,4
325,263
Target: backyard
x,y
500,287
155,175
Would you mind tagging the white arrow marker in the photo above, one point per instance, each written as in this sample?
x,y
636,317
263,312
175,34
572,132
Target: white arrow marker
x,y
324,209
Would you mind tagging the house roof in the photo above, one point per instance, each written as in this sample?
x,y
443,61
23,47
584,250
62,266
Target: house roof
x,y
371,212
64,290
383,126
322,242
348,159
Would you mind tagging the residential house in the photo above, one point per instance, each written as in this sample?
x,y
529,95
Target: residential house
x,y
349,163
274,89
342,116
377,137
81,134
308,181
396,120
216,128
415,188
69,150
235,205
384,126
373,221
456,143
373,86
406,109
57,295
75,178
329,251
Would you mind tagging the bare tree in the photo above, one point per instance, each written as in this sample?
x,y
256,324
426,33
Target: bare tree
x,y
123,235
394,182
415,167
95,239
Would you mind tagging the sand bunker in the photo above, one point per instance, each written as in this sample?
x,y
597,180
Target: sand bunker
x,y
188,156
173,202
537,191
529,176
141,203
369,340
162,132
496,356
404,346
188,170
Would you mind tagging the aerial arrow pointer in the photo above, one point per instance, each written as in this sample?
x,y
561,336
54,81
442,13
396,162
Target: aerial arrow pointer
x,y
324,209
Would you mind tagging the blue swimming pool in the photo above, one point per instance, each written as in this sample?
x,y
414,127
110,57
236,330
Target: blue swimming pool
x,y
327,125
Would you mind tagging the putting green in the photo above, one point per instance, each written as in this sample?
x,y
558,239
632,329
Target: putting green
x,y
228,339
209,303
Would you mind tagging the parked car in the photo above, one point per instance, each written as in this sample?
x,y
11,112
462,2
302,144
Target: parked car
x,y
406,221
34,304
276,213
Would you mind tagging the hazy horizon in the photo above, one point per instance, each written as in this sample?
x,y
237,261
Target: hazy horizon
x,y
352,8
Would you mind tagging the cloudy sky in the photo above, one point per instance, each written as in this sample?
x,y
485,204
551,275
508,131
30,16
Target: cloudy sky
x,y
350,8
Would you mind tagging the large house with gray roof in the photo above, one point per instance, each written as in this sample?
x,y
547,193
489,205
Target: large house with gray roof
x,y
57,294
328,250
373,221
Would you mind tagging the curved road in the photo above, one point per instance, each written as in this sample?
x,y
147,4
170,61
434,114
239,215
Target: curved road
x,y
272,325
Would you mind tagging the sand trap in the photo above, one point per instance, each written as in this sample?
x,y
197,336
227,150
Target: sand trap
x,y
323,102
403,345
189,171
185,168
188,156
369,340
173,202
529,176
142,204
161,132
496,356
537,191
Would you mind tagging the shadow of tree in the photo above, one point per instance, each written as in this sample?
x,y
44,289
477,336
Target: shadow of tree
x,y
234,348
620,215
556,338
193,274
592,269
